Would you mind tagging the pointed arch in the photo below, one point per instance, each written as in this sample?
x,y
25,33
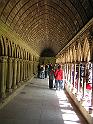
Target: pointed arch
x,y
1,46
74,53
79,52
86,49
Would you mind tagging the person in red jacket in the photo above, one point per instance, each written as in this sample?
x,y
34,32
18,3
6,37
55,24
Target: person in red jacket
x,y
59,78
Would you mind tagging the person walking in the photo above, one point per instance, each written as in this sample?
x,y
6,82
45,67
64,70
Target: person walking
x,y
59,78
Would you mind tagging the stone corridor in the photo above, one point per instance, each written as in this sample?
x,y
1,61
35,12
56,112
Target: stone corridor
x,y
37,104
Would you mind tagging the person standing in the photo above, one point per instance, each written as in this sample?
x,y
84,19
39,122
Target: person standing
x,y
46,71
51,78
59,78
38,70
42,72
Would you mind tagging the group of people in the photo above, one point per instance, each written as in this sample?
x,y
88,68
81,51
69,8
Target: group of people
x,y
55,74
42,71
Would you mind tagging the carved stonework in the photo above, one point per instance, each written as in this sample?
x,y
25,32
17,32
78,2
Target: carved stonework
x,y
90,34
3,58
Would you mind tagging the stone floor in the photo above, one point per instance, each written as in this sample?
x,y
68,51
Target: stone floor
x,y
37,104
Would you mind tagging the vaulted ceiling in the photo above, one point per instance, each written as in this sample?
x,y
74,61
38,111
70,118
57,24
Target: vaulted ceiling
x,y
46,24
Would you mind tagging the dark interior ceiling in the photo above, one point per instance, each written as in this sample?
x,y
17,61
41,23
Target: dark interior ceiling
x,y
46,23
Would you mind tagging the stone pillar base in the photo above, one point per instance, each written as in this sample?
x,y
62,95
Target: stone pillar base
x,y
9,90
2,95
15,87
19,84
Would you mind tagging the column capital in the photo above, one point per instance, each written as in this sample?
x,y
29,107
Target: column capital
x,y
15,60
20,59
25,60
3,58
10,59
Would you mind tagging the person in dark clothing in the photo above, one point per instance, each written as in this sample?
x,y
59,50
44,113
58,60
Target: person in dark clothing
x,y
51,78
46,71
50,68
39,69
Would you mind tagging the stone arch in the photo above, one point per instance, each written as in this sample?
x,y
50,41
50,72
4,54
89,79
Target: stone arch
x,y
79,52
1,46
33,57
9,49
27,55
74,54
18,51
24,54
71,55
68,55
21,53
5,41
61,58
91,51
86,49
64,57
15,51
30,57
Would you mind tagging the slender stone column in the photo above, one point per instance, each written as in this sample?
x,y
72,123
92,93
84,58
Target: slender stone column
x,y
3,76
91,107
84,80
28,69
18,72
78,87
66,73
74,74
74,89
14,86
24,70
71,77
32,68
21,70
63,76
92,90
10,75
71,74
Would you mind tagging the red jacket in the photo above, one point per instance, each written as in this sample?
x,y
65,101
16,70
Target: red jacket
x,y
59,74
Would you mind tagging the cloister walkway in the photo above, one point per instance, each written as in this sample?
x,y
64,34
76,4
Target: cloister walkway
x,y
37,104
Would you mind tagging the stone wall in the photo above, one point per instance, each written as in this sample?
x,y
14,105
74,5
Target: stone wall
x,y
18,62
